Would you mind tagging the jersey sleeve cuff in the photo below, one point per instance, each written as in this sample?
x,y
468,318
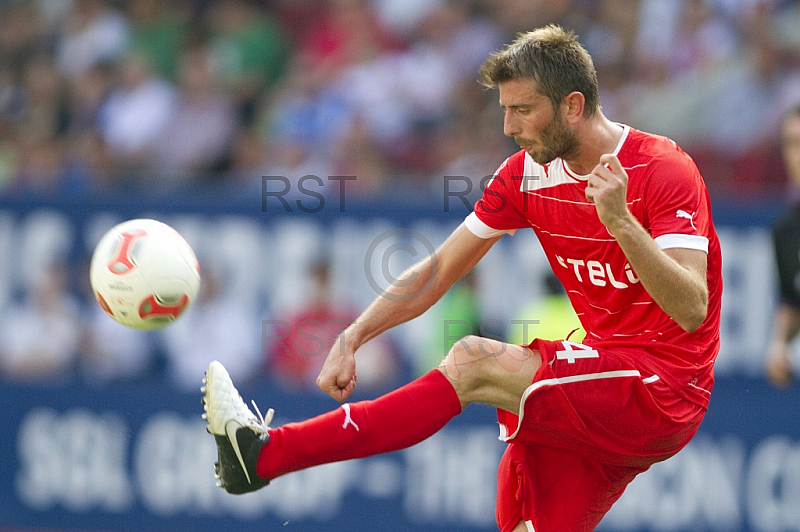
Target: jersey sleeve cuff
x,y
699,243
480,229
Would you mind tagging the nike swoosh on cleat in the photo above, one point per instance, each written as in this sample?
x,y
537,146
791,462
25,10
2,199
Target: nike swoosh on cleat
x,y
232,436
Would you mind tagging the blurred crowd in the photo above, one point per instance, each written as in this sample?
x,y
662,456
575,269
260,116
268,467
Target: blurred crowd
x,y
161,96
192,96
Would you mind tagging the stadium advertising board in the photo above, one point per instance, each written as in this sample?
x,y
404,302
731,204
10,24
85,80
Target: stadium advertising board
x,y
99,457
138,458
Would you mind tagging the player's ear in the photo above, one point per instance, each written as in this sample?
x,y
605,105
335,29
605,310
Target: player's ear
x,y
572,106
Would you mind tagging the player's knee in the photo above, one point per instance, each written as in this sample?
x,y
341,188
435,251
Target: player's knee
x,y
488,371
469,360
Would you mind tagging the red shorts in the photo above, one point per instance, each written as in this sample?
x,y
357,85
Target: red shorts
x,y
588,424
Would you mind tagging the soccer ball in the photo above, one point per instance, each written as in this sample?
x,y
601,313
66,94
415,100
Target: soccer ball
x,y
144,274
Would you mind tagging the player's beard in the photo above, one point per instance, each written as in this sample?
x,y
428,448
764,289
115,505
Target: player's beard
x,y
555,140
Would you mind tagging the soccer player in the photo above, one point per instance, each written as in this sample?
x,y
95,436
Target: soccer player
x,y
625,221
786,242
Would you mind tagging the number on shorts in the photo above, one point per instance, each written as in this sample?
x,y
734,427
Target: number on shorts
x,y
573,351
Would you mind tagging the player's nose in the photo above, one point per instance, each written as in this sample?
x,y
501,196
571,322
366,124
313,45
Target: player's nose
x,y
510,126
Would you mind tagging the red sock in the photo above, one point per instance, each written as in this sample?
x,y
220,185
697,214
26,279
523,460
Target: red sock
x,y
391,422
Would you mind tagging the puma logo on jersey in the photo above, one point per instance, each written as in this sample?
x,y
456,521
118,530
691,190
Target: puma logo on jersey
x,y
599,273
683,214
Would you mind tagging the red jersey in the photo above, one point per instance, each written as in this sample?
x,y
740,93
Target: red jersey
x,y
668,196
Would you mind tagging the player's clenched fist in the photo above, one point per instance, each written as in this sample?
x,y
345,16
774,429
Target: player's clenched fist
x,y
607,188
338,375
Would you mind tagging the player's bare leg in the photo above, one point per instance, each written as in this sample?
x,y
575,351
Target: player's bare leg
x,y
521,527
489,371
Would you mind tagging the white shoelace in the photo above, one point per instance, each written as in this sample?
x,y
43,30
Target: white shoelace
x,y
262,422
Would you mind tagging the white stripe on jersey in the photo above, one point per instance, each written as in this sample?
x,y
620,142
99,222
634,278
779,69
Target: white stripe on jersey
x,y
612,312
635,335
478,228
562,200
610,239
697,242
699,388
551,198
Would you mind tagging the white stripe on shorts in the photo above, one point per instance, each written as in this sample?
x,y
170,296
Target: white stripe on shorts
x,y
529,526
559,381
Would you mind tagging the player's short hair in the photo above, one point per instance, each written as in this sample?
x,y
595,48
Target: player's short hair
x,y
550,56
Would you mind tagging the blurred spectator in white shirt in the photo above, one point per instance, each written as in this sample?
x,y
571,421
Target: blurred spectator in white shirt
x,y
39,334
92,32
136,112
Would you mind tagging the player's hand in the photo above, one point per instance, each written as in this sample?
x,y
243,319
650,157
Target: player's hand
x,y
607,188
338,375
779,366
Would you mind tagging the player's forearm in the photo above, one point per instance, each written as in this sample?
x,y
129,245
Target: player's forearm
x,y
680,292
421,286
401,302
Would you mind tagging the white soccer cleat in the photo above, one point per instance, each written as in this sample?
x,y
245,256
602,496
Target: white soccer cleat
x,y
239,434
